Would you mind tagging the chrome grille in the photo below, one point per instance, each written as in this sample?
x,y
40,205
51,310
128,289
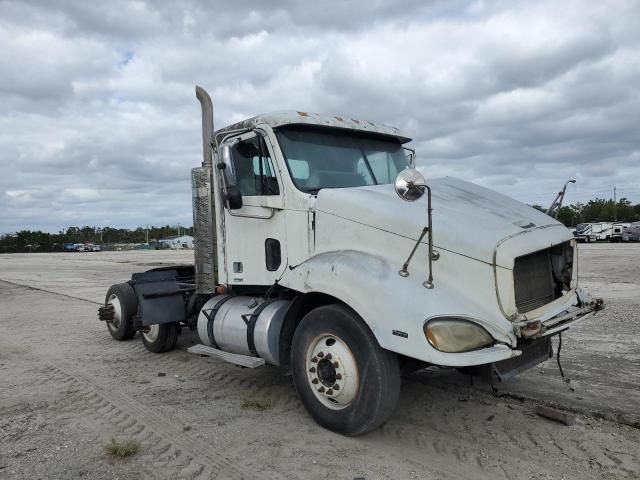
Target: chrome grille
x,y
533,280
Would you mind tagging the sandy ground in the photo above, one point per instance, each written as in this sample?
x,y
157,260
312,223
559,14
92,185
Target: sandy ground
x,y
66,388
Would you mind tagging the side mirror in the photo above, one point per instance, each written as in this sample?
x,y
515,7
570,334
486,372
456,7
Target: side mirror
x,y
234,197
410,185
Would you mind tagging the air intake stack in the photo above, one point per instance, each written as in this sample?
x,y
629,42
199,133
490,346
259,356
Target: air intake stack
x,y
204,228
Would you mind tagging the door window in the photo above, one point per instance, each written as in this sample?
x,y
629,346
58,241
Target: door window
x,y
253,168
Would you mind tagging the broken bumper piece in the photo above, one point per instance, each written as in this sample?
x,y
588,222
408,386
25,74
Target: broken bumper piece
x,y
535,328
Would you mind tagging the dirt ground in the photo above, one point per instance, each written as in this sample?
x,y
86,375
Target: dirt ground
x,y
67,389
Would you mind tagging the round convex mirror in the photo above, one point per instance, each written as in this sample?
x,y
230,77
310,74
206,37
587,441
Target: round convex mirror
x,y
410,184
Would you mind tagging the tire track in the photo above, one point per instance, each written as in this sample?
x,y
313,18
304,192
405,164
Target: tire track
x,y
446,430
230,379
446,449
104,403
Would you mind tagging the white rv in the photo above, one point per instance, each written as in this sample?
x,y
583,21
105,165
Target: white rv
x,y
594,232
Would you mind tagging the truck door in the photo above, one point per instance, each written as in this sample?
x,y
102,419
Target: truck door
x,y
255,243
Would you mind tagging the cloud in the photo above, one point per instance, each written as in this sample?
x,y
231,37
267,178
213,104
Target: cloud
x,y
99,120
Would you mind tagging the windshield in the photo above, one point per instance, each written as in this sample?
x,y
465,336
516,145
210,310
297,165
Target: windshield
x,y
324,158
581,226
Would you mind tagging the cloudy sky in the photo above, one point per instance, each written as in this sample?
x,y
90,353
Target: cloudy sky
x,y
99,124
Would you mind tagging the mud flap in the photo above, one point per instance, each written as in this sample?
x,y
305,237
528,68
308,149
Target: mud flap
x,y
160,299
533,353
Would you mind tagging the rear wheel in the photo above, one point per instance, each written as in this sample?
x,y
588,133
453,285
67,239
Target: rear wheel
x,y
160,338
125,305
345,380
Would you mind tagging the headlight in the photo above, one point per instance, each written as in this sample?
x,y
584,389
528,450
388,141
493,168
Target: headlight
x,y
455,335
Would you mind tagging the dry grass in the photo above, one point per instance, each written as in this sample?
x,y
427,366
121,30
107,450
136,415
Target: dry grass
x,y
122,449
183,357
255,405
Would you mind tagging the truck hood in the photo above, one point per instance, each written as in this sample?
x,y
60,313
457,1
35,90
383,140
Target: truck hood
x,y
467,219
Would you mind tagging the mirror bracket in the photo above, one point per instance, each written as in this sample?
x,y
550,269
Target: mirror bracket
x,y
412,156
410,185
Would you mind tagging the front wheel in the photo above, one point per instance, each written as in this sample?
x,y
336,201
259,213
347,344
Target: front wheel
x,y
160,338
346,381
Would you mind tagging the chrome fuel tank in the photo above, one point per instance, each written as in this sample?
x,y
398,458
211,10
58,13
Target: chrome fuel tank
x,y
243,325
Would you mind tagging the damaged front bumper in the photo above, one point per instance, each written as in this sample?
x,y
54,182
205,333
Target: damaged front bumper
x,y
535,328
535,337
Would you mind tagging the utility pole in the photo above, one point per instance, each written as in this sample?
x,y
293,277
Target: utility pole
x,y
178,229
615,203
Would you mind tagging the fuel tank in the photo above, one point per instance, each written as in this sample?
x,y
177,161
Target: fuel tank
x,y
244,325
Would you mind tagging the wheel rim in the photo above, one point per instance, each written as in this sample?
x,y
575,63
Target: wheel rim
x,y
151,332
332,372
117,312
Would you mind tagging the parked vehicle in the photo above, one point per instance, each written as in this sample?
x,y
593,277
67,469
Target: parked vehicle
x,y
87,247
631,232
594,232
319,248
618,231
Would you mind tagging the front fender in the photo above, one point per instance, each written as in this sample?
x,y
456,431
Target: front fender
x,y
395,307
349,275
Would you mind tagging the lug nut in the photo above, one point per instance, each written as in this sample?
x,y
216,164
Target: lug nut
x,y
335,364
328,357
336,387
321,389
312,370
314,359
320,354
314,381
329,392
338,376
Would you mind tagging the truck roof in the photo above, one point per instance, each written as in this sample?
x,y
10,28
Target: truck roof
x,y
293,117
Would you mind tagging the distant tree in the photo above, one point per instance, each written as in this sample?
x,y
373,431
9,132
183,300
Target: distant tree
x,y
597,210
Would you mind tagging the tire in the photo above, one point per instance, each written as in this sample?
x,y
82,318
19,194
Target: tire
x,y
123,298
367,377
160,338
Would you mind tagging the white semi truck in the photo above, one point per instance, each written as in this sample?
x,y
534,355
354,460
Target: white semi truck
x,y
322,250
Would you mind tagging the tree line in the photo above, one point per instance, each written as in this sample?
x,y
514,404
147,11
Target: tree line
x,y
598,210
38,241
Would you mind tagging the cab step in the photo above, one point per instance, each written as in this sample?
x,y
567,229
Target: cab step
x,y
236,359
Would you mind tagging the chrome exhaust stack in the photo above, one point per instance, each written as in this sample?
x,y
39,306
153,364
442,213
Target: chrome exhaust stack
x,y
206,106
204,228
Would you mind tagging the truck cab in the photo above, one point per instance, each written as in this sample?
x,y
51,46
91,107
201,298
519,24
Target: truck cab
x,y
279,163
319,248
